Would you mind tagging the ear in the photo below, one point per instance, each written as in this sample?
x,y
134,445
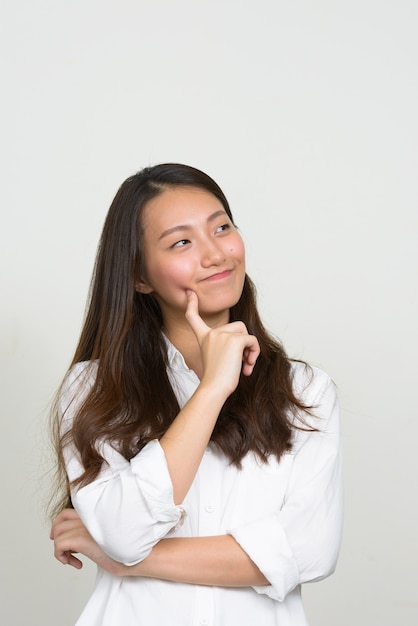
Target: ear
x,y
142,287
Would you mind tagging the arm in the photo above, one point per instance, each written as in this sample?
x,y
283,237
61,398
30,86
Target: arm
x,y
215,561
225,352
300,542
152,485
274,554
139,489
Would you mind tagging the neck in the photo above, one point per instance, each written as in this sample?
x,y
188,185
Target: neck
x,y
185,341
179,332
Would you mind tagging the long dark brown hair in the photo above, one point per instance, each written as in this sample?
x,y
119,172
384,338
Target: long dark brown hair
x,y
132,401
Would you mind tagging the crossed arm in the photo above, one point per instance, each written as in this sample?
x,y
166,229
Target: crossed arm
x,y
219,560
216,561
303,539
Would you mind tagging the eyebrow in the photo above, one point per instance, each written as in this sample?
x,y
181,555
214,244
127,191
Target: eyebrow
x,y
183,227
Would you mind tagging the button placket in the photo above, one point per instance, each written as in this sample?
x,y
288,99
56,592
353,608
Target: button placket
x,y
210,483
204,609
210,476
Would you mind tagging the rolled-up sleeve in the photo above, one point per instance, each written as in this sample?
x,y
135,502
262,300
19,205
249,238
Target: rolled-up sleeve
x,y
300,542
129,507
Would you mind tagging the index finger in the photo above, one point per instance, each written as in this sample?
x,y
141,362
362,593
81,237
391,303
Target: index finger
x,y
198,326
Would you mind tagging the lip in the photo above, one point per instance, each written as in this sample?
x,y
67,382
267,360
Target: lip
x,y
218,276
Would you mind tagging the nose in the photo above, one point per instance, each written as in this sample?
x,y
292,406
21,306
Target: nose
x,y
211,253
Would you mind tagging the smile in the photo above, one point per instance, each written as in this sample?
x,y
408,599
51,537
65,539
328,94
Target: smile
x,y
219,276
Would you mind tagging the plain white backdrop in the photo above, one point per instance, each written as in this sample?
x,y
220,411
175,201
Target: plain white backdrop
x,y
305,112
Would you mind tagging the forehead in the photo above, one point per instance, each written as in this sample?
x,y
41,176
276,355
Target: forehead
x,y
179,205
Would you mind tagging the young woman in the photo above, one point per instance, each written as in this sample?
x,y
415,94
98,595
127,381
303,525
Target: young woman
x,y
203,465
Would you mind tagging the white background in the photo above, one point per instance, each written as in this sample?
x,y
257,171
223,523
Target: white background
x,y
306,114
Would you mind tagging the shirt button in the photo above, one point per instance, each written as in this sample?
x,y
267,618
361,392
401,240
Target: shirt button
x,y
209,508
204,622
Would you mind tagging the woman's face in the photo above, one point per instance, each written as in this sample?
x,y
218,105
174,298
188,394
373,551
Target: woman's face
x,y
190,243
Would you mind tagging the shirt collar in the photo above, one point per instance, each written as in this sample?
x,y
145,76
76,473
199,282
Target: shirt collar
x,y
175,358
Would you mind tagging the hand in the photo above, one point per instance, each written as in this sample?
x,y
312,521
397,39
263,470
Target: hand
x,y
225,351
71,536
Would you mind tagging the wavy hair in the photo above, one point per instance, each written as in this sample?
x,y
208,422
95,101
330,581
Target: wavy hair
x,y
132,401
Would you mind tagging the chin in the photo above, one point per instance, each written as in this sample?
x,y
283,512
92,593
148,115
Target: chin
x,y
217,307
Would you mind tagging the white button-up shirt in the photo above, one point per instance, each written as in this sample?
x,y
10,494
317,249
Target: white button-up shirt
x,y
286,515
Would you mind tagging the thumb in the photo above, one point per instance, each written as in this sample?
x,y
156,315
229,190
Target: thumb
x,y
198,326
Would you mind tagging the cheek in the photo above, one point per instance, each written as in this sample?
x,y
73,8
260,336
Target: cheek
x,y
172,275
237,248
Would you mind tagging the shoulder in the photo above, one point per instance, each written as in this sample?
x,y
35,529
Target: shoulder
x,y
80,374
316,390
309,381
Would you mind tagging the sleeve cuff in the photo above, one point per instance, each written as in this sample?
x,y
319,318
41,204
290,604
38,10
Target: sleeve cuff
x,y
266,544
156,485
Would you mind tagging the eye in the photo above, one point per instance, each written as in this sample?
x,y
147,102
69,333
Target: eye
x,y
180,243
223,228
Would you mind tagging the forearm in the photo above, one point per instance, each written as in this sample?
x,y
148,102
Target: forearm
x,y
186,439
225,352
216,561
